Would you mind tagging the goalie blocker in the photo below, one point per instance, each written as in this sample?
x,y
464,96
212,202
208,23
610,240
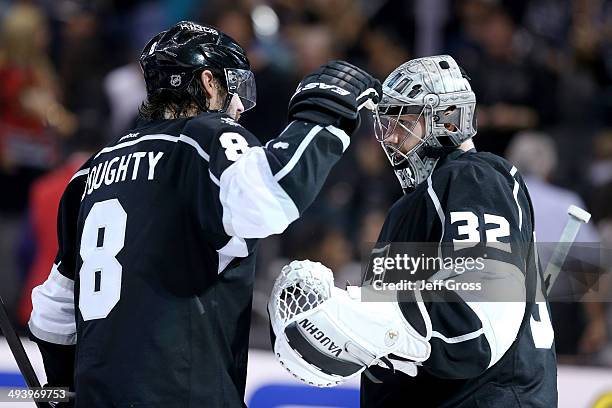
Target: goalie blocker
x,y
323,336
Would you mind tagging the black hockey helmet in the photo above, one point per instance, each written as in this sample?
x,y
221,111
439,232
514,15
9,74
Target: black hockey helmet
x,y
173,58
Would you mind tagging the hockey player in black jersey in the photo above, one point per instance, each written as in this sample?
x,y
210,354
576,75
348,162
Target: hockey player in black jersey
x,y
475,350
148,302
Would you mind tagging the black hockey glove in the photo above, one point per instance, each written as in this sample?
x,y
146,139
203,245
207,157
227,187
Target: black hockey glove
x,y
334,94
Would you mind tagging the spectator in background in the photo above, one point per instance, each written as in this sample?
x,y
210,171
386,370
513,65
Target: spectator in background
x,y
600,190
312,44
41,225
125,91
375,187
31,119
600,176
123,84
324,242
585,88
124,88
383,51
580,328
514,91
275,84
82,67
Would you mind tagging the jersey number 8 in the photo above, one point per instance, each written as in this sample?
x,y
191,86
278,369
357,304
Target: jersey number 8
x,y
235,145
100,275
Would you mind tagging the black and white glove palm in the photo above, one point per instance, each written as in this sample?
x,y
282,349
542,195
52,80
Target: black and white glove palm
x,y
324,335
334,94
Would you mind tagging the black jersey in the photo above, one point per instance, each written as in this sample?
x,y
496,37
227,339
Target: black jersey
x,y
483,354
157,236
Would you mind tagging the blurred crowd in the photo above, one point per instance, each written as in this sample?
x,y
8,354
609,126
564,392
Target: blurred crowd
x,y
541,71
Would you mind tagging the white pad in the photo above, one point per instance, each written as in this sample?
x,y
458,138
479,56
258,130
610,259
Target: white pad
x,y
323,336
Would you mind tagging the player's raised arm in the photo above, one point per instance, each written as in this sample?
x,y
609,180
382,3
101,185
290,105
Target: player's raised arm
x,y
262,189
157,243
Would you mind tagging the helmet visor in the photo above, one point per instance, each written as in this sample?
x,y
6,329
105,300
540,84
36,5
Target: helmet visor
x,y
241,82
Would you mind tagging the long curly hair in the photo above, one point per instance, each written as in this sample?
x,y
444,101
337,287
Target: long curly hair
x,y
171,104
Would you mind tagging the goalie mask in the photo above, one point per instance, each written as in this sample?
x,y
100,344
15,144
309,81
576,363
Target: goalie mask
x,y
427,110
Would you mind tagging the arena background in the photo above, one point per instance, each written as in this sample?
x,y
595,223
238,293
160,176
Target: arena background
x,y
541,70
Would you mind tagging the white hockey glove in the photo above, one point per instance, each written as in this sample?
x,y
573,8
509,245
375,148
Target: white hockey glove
x,y
323,336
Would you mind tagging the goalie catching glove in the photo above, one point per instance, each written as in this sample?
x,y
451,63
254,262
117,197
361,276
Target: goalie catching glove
x,y
334,94
323,336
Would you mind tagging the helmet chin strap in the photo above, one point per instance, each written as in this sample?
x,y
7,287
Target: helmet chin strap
x,y
200,98
226,104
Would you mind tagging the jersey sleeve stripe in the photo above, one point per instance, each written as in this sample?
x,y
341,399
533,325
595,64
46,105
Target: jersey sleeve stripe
x,y
424,314
436,202
60,279
82,172
515,191
501,322
195,145
254,204
168,138
457,339
340,134
235,248
298,153
213,178
53,314
49,337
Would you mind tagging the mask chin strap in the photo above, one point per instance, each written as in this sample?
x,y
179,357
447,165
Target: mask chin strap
x,y
405,175
401,166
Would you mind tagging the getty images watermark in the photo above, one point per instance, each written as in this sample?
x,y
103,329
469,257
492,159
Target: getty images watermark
x,y
406,264
484,272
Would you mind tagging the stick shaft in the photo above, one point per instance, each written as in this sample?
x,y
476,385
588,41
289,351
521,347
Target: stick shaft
x,y
551,273
23,362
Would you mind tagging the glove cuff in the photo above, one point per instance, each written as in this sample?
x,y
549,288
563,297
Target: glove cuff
x,y
325,119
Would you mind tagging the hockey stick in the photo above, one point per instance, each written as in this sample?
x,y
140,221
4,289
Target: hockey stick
x,y
23,362
577,217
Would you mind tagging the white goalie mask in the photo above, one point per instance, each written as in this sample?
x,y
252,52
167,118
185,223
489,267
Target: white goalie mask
x,y
427,109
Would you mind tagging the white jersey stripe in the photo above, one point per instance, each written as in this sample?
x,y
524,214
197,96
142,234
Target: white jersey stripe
x,y
235,248
340,134
515,194
436,203
195,145
457,339
168,138
53,316
213,178
254,204
82,172
298,153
